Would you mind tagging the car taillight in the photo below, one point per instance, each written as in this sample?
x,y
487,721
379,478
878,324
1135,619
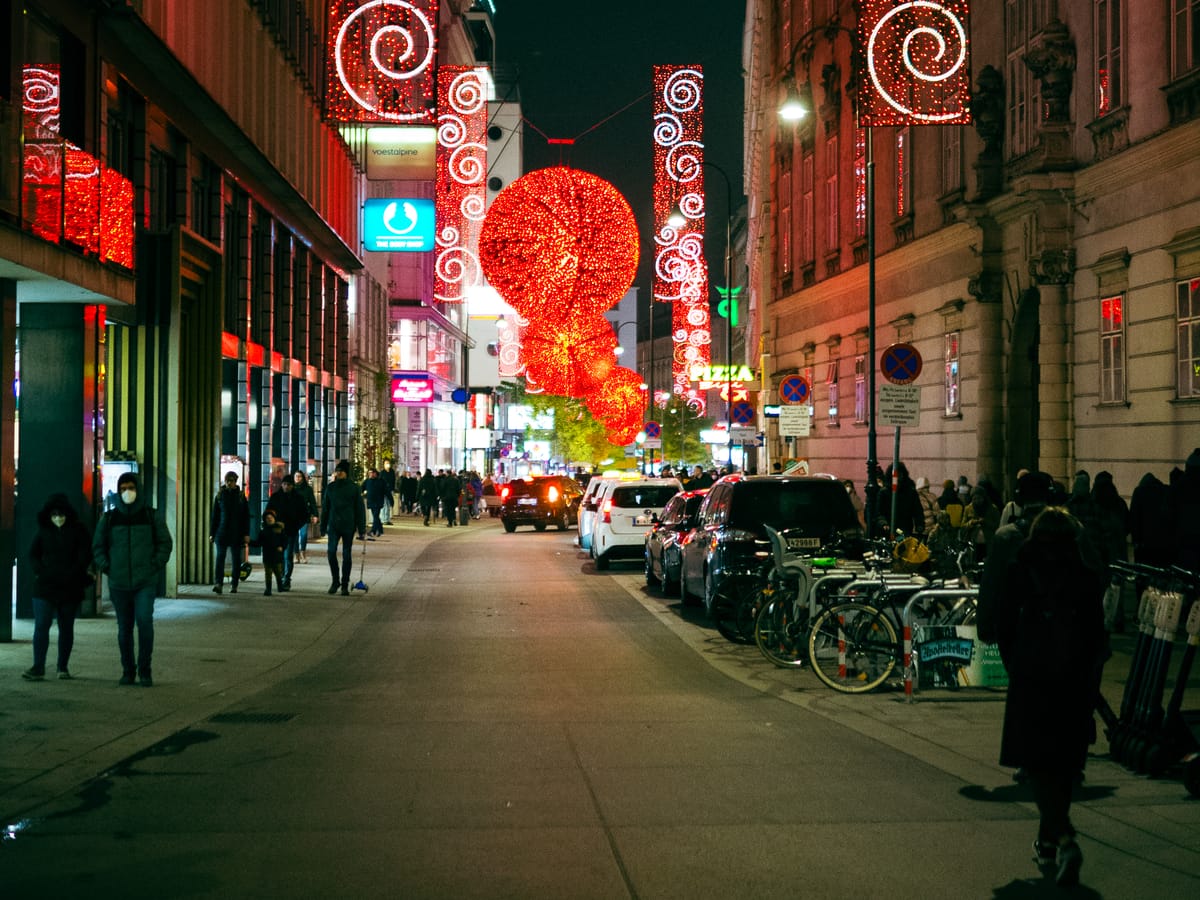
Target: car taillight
x,y
608,512
552,494
504,493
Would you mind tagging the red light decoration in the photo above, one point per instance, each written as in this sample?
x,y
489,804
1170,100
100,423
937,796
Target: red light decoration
x,y
572,357
918,64
624,435
66,193
680,270
382,61
461,191
559,243
620,401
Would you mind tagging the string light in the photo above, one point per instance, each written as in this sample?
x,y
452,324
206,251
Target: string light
x,y
918,65
619,403
460,190
571,357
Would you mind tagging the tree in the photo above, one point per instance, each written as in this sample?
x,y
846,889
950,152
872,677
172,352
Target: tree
x,y
576,436
681,427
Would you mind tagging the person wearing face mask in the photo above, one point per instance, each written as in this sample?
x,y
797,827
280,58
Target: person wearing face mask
x,y
132,546
60,556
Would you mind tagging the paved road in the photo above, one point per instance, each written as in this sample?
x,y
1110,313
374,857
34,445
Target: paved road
x,y
496,719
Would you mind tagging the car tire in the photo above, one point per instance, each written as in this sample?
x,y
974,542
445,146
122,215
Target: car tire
x,y
602,563
561,522
510,527
651,580
539,526
669,585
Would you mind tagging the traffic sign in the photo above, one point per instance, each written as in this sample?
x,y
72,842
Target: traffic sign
x,y
653,430
900,405
794,421
900,363
741,413
794,389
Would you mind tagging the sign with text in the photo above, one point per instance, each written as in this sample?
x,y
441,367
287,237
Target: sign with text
x,y
403,225
401,154
410,388
900,405
794,421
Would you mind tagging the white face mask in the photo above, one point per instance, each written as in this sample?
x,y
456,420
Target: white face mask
x,y
128,496
58,520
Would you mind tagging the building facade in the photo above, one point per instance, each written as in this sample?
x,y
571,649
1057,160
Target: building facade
x,y
1043,259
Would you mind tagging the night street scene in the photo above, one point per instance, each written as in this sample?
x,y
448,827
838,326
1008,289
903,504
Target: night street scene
x,y
503,449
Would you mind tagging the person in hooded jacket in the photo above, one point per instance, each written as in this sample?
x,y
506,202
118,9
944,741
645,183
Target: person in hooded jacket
x,y
1185,513
427,493
342,516
131,546
60,556
908,517
229,531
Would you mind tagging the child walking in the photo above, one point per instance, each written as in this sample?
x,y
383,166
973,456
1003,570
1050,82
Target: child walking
x,y
272,538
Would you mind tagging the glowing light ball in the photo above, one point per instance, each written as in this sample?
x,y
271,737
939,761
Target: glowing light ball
x,y
559,242
624,436
572,357
620,401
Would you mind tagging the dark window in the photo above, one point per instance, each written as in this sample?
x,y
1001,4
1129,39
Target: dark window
x,y
814,505
643,496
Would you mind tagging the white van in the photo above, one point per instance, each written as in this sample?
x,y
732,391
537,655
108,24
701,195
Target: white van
x,y
624,512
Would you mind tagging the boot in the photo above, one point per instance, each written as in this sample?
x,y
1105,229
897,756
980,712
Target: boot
x,y
232,587
217,588
333,588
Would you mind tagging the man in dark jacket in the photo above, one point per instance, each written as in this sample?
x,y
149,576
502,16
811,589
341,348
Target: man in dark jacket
x,y
60,556
448,490
131,546
292,511
376,495
229,530
388,476
342,516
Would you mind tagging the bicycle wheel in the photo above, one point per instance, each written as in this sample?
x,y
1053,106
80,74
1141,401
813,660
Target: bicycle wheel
x,y
853,647
733,608
779,635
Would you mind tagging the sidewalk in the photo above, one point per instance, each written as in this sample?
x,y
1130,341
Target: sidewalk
x,y
210,650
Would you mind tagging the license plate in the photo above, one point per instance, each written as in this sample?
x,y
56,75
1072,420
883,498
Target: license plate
x,y
642,520
803,543
527,501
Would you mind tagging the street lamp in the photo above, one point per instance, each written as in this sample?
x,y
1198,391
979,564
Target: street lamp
x,y
793,109
677,220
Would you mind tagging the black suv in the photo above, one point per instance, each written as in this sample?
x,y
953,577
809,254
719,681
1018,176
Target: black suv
x,y
729,546
540,500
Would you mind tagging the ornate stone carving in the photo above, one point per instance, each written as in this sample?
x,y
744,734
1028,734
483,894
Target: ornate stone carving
x,y
1053,266
986,287
1110,135
987,108
1052,62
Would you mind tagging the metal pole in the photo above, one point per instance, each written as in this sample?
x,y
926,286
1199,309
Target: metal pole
x,y
871,490
729,319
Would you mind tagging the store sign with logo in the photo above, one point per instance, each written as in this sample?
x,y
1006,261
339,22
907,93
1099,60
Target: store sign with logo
x,y
411,388
401,154
402,225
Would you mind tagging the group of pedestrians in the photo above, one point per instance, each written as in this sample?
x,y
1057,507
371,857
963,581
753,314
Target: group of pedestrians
x,y
443,496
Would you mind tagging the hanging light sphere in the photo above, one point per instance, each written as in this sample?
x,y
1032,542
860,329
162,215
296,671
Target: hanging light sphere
x,y
624,436
559,242
620,402
572,357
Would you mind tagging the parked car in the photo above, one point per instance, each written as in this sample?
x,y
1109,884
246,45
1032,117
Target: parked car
x,y
728,546
540,500
588,507
664,557
626,510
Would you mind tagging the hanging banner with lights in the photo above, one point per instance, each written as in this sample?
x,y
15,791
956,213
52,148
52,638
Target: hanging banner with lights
x,y
918,63
382,61
680,270
461,185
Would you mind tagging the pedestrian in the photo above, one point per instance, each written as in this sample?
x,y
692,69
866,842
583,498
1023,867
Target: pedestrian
x,y
929,504
477,493
981,519
273,541
1150,522
376,496
449,490
951,504
427,494
304,491
342,516
907,517
131,546
229,531
291,511
1011,510
855,501
388,476
964,490
1185,513
60,556
408,493
1113,516
1049,626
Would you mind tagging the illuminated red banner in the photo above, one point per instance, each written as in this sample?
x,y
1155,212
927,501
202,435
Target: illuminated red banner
x,y
410,388
680,270
461,187
382,61
918,64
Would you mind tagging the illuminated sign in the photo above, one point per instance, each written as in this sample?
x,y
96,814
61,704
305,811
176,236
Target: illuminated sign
x,y
714,375
403,225
401,154
412,388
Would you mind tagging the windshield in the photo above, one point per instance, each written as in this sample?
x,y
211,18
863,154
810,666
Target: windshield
x,y
643,496
816,506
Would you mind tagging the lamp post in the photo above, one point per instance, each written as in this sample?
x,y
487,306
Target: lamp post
x,y
793,109
676,220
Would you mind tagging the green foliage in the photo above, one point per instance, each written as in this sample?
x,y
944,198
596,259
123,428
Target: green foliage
x,y
576,437
681,427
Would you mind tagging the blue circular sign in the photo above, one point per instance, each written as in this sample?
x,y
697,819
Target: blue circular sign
x,y
460,395
653,430
742,413
900,363
793,389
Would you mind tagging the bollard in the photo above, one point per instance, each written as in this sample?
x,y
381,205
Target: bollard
x,y
841,649
908,670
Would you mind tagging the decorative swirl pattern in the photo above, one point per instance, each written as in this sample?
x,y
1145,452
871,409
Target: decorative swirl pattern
x,y
683,91
912,50
401,42
473,208
684,161
461,173
692,205
452,131
668,129
467,94
468,163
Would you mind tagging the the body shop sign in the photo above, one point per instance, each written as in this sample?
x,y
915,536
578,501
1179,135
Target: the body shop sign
x,y
412,388
399,225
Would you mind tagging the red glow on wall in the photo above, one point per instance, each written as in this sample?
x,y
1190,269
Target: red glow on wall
x,y
918,62
461,184
382,61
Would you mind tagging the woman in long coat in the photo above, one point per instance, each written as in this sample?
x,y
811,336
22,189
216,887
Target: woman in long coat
x,y
60,556
1051,636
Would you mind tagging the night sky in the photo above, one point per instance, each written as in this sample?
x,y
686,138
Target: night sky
x,y
580,63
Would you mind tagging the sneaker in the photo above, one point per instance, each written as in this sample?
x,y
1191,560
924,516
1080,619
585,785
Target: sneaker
x,y
127,678
1045,853
345,591
146,680
64,675
1070,860
33,675
333,588
267,592
216,589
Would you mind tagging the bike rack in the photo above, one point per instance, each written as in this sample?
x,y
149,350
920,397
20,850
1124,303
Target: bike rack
x,y
906,623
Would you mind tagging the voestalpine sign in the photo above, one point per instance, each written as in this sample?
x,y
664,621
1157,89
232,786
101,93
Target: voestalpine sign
x,y
403,225
401,154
